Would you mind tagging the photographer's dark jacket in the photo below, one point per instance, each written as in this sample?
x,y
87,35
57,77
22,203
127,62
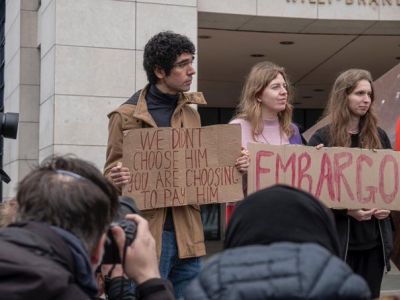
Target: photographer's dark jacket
x,y
277,271
38,261
134,114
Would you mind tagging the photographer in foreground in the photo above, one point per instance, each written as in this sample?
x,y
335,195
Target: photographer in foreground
x,y
64,209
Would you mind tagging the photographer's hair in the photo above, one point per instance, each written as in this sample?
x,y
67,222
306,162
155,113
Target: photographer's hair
x,y
249,108
162,50
69,193
339,112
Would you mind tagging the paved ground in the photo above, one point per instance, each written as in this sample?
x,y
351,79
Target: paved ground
x,y
390,284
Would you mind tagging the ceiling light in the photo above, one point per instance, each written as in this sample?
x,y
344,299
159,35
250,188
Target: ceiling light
x,y
318,90
296,103
257,55
204,37
286,43
398,57
307,97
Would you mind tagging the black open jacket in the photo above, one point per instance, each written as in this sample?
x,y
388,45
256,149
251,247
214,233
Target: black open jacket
x,y
321,136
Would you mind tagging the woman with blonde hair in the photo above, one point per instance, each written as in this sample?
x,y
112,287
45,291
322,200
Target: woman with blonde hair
x,y
264,113
365,234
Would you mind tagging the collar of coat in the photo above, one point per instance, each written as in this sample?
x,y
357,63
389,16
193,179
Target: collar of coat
x,y
141,111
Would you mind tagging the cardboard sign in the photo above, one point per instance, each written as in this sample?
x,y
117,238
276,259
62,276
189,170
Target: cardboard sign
x,y
340,177
181,166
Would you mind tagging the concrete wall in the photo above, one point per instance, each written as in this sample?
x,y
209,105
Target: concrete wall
x,y
382,10
21,91
69,63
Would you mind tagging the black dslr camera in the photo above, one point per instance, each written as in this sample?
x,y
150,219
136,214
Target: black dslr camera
x,y
9,125
8,129
111,253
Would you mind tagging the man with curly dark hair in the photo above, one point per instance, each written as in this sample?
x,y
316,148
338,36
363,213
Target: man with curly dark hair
x,y
178,231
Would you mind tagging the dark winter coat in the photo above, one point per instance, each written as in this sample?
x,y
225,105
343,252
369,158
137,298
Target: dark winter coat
x,y
36,263
279,271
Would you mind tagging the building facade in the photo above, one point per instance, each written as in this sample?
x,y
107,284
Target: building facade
x,y
68,63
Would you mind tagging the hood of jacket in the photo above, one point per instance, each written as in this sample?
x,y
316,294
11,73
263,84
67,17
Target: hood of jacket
x,y
278,271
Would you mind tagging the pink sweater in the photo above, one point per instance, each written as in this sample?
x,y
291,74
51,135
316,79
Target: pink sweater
x,y
270,134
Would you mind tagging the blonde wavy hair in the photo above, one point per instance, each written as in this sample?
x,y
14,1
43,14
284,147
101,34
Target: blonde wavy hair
x,y
249,108
339,112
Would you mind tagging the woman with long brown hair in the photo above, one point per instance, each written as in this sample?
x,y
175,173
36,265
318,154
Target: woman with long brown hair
x,y
365,234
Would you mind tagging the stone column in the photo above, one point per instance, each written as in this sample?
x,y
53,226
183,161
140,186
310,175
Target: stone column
x,y
21,90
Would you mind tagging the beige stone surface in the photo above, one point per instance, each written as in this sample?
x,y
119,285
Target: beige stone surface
x,y
141,77
47,75
94,71
25,100
11,149
171,2
248,7
29,103
95,154
11,47
390,12
12,11
30,4
11,74
94,23
83,120
45,3
28,28
46,152
46,124
153,18
30,66
28,140
47,27
12,103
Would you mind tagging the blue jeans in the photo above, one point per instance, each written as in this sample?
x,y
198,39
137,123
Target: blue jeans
x,y
179,271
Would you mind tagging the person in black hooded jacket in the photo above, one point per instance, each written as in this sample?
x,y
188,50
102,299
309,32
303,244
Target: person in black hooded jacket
x,y
281,243
365,234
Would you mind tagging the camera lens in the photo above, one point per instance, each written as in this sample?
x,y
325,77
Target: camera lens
x,y
126,206
9,125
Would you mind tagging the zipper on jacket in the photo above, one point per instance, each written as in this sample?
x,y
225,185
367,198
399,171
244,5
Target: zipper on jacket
x,y
347,239
383,247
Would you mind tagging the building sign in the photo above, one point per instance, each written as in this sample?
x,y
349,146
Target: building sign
x,y
349,2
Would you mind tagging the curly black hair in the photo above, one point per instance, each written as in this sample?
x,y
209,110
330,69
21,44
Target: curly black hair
x,y
162,50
